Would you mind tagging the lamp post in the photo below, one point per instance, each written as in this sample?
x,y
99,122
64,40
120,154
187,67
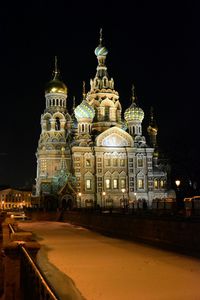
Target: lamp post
x,y
103,199
177,182
123,191
79,195
178,200
135,201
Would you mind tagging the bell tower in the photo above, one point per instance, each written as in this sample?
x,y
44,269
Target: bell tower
x,y
52,152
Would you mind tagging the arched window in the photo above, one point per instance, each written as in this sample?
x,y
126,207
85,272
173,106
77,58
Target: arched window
x,y
82,127
48,124
140,183
155,184
107,113
57,125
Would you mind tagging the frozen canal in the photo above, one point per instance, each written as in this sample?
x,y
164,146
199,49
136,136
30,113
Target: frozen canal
x,y
112,269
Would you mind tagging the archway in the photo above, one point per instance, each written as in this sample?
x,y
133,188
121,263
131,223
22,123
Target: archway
x,y
67,202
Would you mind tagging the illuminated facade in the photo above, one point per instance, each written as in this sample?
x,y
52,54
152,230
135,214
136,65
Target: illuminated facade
x,y
14,199
95,156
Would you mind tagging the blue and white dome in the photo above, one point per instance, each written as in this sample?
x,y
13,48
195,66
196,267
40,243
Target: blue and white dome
x,y
84,111
101,51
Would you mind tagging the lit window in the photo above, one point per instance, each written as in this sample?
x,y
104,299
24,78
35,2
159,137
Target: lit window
x,y
155,183
162,184
88,184
115,183
140,162
123,183
43,165
140,183
115,162
122,162
107,184
107,162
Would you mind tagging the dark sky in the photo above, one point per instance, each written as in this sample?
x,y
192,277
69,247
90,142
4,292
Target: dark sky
x,y
156,46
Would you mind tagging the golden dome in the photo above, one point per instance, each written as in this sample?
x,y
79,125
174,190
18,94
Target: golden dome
x,y
56,86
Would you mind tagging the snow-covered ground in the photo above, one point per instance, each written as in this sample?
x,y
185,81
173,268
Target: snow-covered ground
x,y
104,268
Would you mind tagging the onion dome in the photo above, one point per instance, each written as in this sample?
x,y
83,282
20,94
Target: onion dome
x,y
134,112
84,110
101,50
56,85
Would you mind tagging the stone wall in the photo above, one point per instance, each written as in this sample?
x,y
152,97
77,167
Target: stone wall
x,y
169,232
176,234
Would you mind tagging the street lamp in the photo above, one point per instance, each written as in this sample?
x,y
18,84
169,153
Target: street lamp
x,y
177,182
123,191
79,195
135,201
179,201
103,199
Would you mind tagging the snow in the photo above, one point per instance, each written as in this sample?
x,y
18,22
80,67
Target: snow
x,y
104,268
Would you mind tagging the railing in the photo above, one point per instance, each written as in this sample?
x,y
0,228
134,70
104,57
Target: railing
x,y
34,286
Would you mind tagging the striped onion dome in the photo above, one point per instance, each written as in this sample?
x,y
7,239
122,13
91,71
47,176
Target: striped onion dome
x,y
84,111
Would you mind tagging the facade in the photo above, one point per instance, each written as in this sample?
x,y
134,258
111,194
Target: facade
x,y
14,199
97,156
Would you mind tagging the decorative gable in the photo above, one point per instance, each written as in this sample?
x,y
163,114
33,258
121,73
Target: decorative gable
x,y
114,137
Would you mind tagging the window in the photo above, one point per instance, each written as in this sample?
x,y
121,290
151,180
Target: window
x,y
57,125
122,162
115,162
123,183
48,124
107,162
88,184
87,162
115,183
162,184
43,165
140,183
155,184
140,162
107,184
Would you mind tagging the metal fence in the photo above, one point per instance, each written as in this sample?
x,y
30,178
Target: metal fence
x,y
33,284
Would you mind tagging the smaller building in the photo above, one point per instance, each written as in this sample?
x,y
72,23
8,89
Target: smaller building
x,y
14,199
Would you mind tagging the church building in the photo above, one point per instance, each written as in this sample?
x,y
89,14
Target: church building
x,y
96,155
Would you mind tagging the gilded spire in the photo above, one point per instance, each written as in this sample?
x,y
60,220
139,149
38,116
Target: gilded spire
x,y
84,92
74,103
133,93
56,85
152,118
151,114
101,37
56,71
101,50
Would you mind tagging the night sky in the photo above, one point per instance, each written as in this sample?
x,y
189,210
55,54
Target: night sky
x,y
156,47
